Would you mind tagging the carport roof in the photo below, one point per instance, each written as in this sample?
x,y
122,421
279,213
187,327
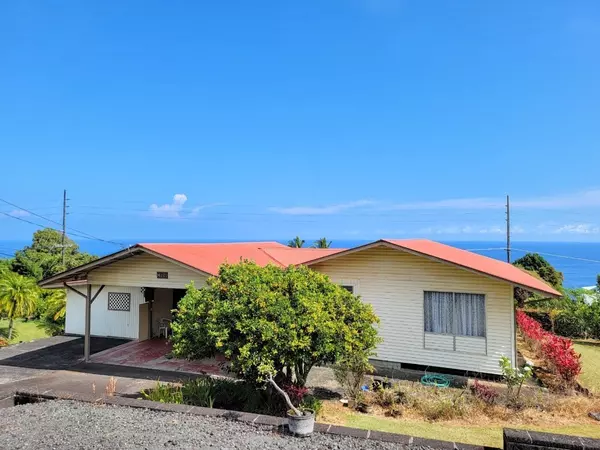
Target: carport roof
x,y
204,258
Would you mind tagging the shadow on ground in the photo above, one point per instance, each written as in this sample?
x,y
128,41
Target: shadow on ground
x,y
55,353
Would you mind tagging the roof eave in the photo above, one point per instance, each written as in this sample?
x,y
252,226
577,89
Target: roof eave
x,y
84,268
383,242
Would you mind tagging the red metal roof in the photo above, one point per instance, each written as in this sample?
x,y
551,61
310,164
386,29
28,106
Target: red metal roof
x,y
468,260
208,257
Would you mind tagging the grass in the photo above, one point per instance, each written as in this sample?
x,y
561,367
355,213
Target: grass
x,y
23,331
488,435
590,358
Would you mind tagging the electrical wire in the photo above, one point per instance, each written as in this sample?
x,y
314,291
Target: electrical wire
x,y
77,233
557,256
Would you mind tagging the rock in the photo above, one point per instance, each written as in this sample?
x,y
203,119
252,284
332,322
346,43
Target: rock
x,y
595,415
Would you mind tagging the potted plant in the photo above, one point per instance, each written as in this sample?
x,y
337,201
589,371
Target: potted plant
x,y
300,422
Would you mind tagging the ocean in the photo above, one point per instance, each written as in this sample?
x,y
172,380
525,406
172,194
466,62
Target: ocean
x,y
578,261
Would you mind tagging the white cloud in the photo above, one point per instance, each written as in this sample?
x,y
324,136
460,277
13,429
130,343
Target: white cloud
x,y
195,211
462,229
19,213
176,208
585,199
578,228
321,210
172,209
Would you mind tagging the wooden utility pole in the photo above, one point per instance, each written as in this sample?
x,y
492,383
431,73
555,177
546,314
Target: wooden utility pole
x,y
508,229
64,225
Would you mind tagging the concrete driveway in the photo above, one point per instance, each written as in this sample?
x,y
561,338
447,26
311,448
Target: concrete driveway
x,y
31,359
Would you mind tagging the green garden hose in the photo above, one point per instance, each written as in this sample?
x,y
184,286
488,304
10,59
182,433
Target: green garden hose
x,y
435,379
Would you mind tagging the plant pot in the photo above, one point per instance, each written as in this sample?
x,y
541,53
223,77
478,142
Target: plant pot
x,y
302,425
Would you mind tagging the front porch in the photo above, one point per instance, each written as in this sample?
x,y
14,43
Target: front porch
x,y
155,354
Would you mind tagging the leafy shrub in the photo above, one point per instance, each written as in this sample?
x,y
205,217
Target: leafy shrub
x,y
313,403
295,393
272,321
557,351
350,373
3,342
386,397
199,392
484,393
514,378
164,393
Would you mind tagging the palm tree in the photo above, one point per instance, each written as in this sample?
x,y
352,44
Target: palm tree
x,y
322,243
56,304
296,242
18,296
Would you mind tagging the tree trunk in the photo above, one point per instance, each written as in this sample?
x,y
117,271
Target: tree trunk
x,y
285,396
10,328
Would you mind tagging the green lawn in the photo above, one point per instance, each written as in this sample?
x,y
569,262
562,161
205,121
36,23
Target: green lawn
x,y
490,435
590,358
23,331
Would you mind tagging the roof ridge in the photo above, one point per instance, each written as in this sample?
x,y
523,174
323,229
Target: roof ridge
x,y
271,256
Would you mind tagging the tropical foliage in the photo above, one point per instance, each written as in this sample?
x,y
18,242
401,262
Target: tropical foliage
x,y
558,351
322,243
537,266
18,296
272,321
43,258
296,242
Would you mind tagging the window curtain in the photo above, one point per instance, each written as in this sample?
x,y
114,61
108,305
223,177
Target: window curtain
x,y
470,314
438,312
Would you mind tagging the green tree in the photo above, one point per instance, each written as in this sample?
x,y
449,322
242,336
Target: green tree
x,y
18,296
598,282
322,243
296,242
537,266
272,321
53,310
43,258
535,262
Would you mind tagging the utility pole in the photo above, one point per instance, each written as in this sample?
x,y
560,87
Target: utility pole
x,y
508,229
64,225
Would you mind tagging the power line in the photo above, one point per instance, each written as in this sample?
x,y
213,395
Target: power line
x,y
559,256
77,233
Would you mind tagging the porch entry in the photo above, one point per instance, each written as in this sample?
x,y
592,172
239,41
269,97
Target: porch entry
x,y
156,313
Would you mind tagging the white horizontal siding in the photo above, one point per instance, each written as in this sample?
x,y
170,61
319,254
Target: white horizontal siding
x,y
140,270
439,342
471,344
394,283
104,322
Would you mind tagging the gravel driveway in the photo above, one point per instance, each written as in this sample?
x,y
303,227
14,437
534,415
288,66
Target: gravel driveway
x,y
68,424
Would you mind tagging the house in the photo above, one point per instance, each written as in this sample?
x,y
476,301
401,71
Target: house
x,y
439,305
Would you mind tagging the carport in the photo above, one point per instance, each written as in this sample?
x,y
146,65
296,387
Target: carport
x,y
123,295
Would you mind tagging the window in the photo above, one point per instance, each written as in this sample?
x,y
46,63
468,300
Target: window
x,y
349,288
456,314
119,301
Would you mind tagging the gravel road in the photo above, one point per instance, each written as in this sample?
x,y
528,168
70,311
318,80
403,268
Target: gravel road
x,y
73,425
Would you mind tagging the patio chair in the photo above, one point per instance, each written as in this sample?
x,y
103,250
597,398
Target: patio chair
x,y
164,325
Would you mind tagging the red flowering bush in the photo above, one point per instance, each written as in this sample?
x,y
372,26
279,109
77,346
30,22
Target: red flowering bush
x,y
558,351
483,392
3,342
296,393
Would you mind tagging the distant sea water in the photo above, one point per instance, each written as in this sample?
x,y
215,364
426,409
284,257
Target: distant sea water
x,y
578,261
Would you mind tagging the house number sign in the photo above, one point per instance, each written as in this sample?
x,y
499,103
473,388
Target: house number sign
x,y
163,275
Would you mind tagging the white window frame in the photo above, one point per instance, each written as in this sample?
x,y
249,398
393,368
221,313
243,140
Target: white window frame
x,y
345,282
454,334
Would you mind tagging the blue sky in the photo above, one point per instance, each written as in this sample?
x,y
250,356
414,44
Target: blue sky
x,y
352,119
